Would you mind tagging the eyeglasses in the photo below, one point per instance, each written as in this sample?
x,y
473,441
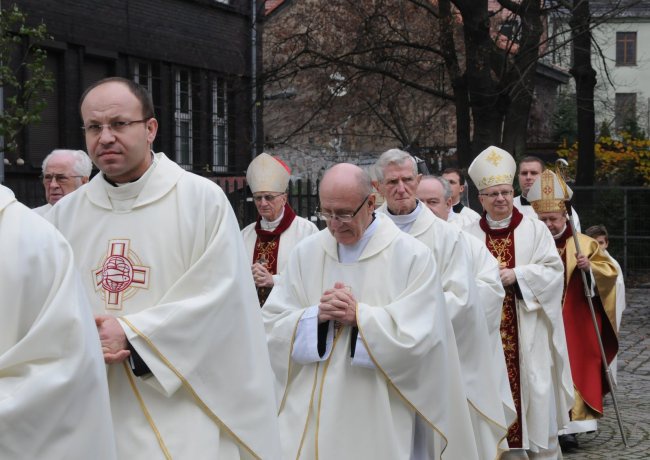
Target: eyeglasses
x,y
61,179
268,198
96,129
495,195
343,218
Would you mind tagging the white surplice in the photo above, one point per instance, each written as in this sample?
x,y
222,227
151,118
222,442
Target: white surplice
x,y
300,228
42,210
164,255
483,373
333,409
53,389
545,374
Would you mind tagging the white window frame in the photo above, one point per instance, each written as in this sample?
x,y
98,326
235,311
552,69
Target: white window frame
x,y
148,78
219,141
183,117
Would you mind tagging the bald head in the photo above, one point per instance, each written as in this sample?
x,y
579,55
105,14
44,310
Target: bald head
x,y
435,192
346,190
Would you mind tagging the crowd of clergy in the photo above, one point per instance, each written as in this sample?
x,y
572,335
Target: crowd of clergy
x,y
139,322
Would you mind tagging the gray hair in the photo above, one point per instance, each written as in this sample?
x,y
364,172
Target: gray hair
x,y
82,165
444,182
393,157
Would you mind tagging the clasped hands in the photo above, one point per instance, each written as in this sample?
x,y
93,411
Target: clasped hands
x,y
112,339
338,304
261,275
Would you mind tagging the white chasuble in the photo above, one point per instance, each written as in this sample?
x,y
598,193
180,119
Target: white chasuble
x,y
164,255
545,374
483,374
333,410
53,391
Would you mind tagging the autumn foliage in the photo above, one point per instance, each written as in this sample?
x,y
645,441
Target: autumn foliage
x,y
624,160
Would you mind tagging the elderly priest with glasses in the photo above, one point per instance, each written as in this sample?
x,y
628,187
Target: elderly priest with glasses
x,y
271,238
64,171
532,330
351,344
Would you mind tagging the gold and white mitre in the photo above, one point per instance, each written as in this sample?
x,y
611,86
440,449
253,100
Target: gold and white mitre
x,y
547,194
493,166
267,174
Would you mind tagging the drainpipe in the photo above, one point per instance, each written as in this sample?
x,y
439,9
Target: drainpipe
x,y
254,76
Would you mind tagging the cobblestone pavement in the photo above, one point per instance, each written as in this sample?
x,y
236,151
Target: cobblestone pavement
x,y
632,394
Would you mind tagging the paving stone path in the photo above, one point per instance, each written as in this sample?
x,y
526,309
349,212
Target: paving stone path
x,y
632,394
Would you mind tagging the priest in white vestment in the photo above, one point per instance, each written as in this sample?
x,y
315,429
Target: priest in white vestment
x,y
168,278
531,324
351,343
64,171
271,238
435,193
456,180
53,390
397,181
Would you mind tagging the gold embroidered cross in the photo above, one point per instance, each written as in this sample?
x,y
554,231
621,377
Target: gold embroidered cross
x,y
494,158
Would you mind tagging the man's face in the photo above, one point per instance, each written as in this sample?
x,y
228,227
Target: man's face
x,y
399,186
432,194
456,188
122,155
602,242
528,172
344,201
497,201
269,204
59,178
555,221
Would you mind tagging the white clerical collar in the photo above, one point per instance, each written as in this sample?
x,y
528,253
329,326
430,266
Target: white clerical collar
x,y
559,235
271,225
405,221
350,253
498,223
124,195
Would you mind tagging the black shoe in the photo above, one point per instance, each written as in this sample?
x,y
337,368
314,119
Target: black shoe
x,y
568,442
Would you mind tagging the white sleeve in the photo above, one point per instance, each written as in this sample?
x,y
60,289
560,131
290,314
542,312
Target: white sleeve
x,y
305,345
361,357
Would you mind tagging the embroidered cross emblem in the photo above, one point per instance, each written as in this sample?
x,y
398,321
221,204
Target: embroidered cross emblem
x,y
494,158
119,273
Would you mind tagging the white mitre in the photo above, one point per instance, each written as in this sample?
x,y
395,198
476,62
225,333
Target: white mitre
x,y
493,166
547,194
267,174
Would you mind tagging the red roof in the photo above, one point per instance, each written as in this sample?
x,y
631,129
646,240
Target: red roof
x,y
271,5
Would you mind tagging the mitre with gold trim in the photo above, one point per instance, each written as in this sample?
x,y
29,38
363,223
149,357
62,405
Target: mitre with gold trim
x,y
493,166
267,174
547,195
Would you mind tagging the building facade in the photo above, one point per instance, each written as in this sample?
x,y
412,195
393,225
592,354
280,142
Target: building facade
x,y
193,55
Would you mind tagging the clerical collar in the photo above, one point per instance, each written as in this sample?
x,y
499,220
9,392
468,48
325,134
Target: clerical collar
x,y
350,253
405,221
498,223
559,235
458,207
122,184
271,225
523,200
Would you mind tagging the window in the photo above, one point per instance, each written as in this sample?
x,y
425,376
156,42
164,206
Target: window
x,y
625,48
183,118
625,110
219,125
143,75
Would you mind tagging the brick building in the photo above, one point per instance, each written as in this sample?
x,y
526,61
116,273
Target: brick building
x,y
193,55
